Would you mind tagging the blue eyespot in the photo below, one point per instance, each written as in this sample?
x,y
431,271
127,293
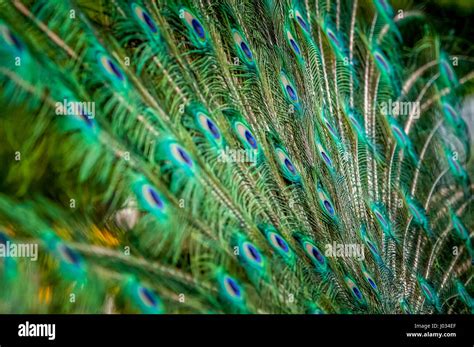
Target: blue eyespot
x,y
243,48
278,242
333,38
180,156
10,38
355,291
111,70
325,201
302,23
245,136
450,112
325,156
370,280
314,253
286,165
208,128
147,297
150,199
380,218
288,88
68,255
382,61
230,289
144,18
194,26
293,44
252,253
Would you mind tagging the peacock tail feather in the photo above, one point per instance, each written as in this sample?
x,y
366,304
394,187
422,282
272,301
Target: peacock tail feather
x,y
225,156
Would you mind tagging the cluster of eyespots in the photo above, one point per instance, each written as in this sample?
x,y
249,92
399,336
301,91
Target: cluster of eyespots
x,y
144,18
111,70
150,199
325,201
286,165
245,136
293,44
10,40
195,28
243,49
288,88
208,128
354,289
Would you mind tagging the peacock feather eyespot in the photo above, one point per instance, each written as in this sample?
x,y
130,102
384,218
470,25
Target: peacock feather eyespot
x,y
68,255
288,88
150,199
147,297
230,289
286,165
314,254
111,70
447,70
370,280
278,243
251,254
243,48
450,112
398,133
325,201
354,289
143,298
325,156
144,18
301,22
10,40
245,136
293,44
195,27
382,61
179,157
208,128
